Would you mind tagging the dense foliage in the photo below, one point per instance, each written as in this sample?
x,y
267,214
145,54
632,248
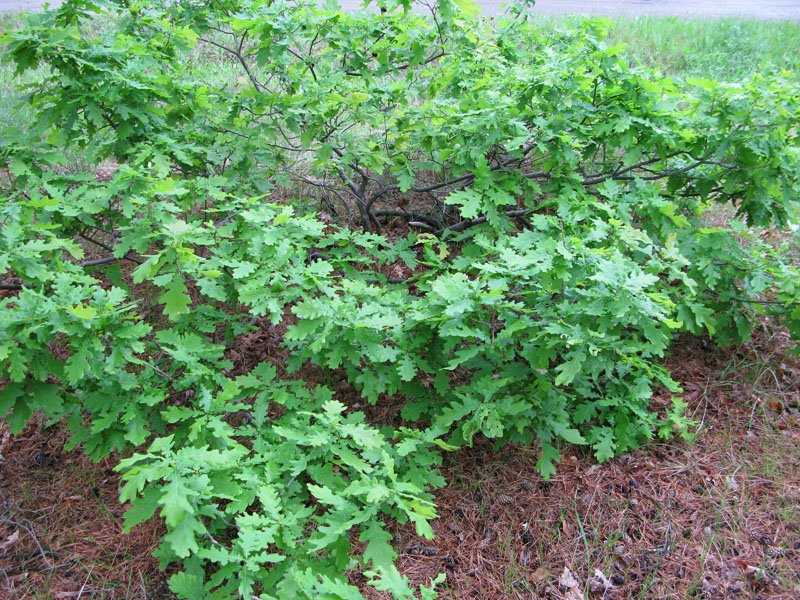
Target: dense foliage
x,y
555,195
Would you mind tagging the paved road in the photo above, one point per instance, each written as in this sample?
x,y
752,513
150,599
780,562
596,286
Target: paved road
x,y
15,6
754,9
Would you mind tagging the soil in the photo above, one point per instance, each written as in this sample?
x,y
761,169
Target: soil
x,y
719,518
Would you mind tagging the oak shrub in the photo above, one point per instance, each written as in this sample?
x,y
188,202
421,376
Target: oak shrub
x,y
556,196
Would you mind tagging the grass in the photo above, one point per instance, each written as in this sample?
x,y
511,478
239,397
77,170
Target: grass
x,y
724,49
13,108
728,49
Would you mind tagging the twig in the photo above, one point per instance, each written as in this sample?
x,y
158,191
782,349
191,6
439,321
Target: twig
x,y
98,261
141,585
408,215
33,536
477,221
421,225
157,370
409,281
83,587
749,301
110,249
29,554
286,487
667,547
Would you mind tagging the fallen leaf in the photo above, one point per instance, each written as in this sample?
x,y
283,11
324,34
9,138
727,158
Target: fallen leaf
x,y
599,574
599,584
10,541
570,585
592,470
539,575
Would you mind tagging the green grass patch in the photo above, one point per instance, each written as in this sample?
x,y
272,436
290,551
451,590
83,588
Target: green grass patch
x,y
725,49
12,98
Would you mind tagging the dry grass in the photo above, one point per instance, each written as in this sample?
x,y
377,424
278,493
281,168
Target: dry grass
x,y
716,519
61,532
